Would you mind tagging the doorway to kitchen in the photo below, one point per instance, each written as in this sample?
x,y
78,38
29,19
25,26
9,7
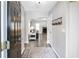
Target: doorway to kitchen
x,y
37,34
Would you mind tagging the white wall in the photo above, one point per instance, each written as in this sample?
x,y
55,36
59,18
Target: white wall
x,y
43,23
23,29
27,28
58,41
73,42
49,30
65,37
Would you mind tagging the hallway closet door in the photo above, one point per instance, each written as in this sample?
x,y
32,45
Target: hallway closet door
x,y
14,28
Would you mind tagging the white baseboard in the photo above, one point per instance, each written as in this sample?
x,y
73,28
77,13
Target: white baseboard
x,y
22,51
58,56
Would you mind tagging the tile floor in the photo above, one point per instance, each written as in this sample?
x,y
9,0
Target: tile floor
x,y
37,49
39,52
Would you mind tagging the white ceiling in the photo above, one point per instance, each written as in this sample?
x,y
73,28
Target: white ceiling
x,y
36,10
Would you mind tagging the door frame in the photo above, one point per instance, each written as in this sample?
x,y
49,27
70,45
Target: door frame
x,y
3,28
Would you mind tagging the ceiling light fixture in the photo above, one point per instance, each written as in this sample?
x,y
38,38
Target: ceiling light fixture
x,y
38,2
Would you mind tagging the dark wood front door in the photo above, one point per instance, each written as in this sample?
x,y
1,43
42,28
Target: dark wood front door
x,y
14,28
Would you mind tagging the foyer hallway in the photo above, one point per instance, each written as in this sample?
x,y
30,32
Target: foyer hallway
x,y
22,21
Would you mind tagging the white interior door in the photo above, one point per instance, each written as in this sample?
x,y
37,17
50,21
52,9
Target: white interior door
x,y
3,28
73,42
